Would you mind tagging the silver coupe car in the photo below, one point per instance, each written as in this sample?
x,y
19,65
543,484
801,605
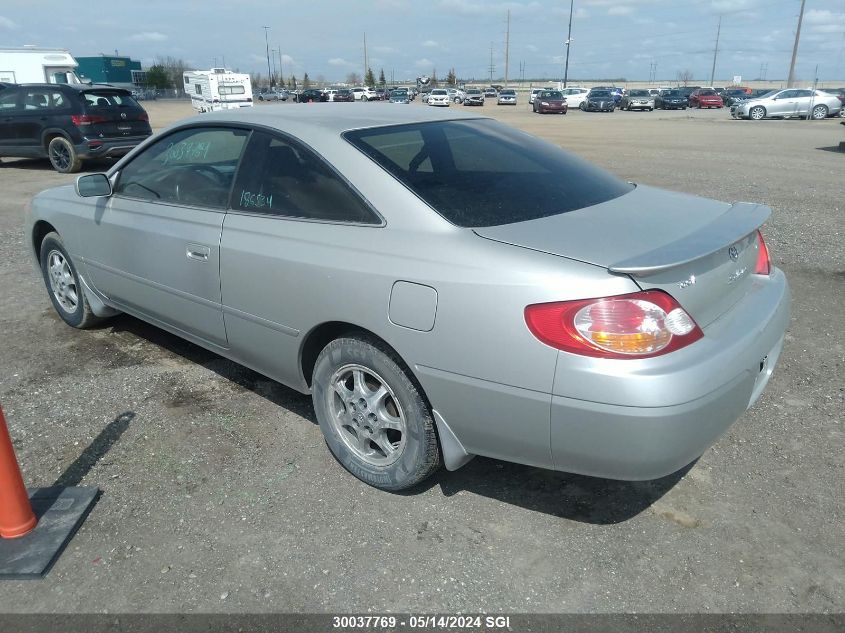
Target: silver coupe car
x,y
815,104
443,285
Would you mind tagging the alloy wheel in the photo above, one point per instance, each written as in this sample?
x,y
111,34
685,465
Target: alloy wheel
x,y
60,155
62,282
366,415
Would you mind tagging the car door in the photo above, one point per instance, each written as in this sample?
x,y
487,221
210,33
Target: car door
x,y
291,215
153,247
42,107
803,102
783,104
9,111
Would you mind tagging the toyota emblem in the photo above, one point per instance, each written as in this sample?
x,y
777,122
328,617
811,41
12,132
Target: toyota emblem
x,y
734,253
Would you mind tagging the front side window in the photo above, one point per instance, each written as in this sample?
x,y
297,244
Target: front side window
x,y
482,173
232,90
281,177
193,167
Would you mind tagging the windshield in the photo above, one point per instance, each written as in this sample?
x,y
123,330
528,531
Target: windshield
x,y
707,93
551,94
599,94
507,92
639,93
438,92
473,92
483,173
673,93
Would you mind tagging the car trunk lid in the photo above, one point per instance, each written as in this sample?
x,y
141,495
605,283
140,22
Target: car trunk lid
x,y
700,251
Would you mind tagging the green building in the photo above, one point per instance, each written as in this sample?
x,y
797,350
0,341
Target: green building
x,y
105,69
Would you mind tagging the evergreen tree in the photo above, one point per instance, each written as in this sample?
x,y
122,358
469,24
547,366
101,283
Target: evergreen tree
x,y
370,78
451,79
381,79
157,77
306,82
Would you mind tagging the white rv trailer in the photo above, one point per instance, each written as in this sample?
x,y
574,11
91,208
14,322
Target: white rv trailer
x,y
218,89
31,65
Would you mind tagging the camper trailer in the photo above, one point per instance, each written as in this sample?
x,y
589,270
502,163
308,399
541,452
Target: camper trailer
x,y
31,65
218,89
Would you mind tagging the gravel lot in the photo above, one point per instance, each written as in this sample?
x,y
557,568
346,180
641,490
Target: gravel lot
x,y
220,496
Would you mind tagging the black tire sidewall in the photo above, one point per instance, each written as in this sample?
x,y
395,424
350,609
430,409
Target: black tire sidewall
x,y
74,159
53,243
415,462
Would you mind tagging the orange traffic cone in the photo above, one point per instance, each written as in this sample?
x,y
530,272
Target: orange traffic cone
x,y
16,515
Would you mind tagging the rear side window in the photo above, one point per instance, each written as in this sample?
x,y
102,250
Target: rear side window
x,y
281,177
43,99
482,173
194,167
108,99
9,99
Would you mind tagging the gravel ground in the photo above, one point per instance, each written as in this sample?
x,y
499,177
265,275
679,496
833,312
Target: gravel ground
x,y
220,496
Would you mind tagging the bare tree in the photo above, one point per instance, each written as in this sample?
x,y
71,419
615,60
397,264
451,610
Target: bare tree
x,y
684,77
353,79
175,69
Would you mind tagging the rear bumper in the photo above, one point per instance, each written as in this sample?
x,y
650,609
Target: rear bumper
x,y
629,420
111,148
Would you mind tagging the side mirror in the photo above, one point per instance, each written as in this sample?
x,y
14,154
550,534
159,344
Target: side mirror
x,y
93,186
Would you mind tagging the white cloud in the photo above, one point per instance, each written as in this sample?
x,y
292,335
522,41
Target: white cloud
x,y
339,61
287,59
824,21
431,44
6,23
423,63
620,9
470,7
148,36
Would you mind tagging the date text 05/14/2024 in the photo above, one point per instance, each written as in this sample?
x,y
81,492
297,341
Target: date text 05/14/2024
x,y
448,622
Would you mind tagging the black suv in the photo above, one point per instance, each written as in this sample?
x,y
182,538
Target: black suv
x,y
69,123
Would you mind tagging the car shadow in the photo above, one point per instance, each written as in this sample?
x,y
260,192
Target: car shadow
x,y
574,497
244,377
839,149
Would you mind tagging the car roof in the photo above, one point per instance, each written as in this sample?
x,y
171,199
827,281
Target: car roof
x,y
329,119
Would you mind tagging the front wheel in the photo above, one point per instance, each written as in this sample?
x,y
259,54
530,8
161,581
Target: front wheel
x,y
63,284
373,415
63,156
757,113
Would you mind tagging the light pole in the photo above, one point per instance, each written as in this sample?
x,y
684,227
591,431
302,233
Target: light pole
x,y
568,43
274,64
267,45
791,80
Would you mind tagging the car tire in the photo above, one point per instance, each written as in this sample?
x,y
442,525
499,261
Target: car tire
x,y
63,156
63,284
757,113
819,112
348,375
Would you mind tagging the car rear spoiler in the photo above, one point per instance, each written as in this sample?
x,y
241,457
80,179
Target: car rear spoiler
x,y
738,221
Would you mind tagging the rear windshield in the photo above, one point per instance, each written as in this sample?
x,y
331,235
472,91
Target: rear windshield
x,y
479,173
108,98
639,93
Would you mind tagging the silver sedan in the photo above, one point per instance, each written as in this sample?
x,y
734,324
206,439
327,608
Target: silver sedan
x,y
815,104
443,286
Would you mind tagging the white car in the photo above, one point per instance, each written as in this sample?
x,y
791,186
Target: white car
x,y
364,93
456,95
574,96
439,97
533,95
507,96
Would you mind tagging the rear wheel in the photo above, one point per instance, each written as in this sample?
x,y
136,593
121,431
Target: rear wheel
x,y
63,284
63,156
819,112
372,414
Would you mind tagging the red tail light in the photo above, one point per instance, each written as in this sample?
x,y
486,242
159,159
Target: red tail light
x,y
87,119
763,265
143,117
637,325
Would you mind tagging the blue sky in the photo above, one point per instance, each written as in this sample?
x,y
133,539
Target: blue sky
x,y
611,38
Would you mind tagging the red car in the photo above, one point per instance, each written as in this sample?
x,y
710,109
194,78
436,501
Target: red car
x,y
550,101
705,99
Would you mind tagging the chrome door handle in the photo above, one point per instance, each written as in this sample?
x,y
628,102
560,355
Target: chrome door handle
x,y
198,252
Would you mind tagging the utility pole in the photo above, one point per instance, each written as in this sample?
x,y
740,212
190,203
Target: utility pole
x,y
791,79
274,64
491,63
716,51
507,46
365,57
281,72
267,45
568,43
